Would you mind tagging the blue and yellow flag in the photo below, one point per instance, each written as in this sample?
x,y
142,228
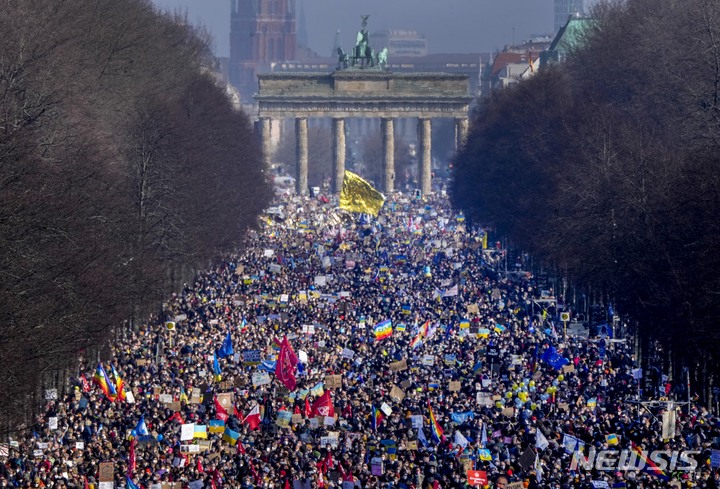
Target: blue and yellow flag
x,y
358,195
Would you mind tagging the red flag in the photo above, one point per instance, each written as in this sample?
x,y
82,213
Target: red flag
x,y
308,409
254,473
323,405
240,447
347,412
297,410
199,465
220,412
326,464
236,412
287,483
285,366
85,384
253,418
176,417
132,460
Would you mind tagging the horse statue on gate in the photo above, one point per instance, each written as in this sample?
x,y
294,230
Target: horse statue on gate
x,y
382,58
343,58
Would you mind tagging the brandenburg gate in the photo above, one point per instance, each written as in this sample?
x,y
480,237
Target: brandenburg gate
x,y
367,94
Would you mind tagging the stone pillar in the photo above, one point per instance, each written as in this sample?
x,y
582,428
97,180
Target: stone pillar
x,y
301,153
388,135
338,127
425,154
461,130
266,142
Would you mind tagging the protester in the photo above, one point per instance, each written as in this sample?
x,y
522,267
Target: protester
x,y
338,350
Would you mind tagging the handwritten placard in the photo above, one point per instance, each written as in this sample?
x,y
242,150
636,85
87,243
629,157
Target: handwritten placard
x,y
398,366
333,381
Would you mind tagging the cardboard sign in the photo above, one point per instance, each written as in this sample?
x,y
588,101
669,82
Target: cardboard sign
x,y
51,394
515,485
568,368
397,394
175,406
399,366
226,399
484,399
333,381
455,386
509,412
106,472
477,477
385,408
473,309
296,419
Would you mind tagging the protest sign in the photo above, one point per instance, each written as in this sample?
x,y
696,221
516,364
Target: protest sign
x,y
106,473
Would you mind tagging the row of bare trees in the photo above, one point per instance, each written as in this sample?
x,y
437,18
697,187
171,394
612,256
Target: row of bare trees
x,y
607,166
123,167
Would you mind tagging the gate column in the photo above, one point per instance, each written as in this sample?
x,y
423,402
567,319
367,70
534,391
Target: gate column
x,y
388,133
425,140
338,154
301,152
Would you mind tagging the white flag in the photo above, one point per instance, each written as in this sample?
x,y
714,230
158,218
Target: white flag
x,y
538,469
460,440
541,442
421,437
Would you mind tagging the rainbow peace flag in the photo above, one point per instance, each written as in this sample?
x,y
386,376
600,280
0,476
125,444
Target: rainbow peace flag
x,y
376,418
650,466
119,384
383,330
102,380
435,429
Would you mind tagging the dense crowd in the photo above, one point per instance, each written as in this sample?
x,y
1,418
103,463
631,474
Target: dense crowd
x,y
475,383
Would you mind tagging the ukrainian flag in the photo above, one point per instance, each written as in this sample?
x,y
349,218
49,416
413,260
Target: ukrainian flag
x,y
216,426
612,439
200,431
358,195
230,436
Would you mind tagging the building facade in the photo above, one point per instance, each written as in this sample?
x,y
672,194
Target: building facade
x,y
400,42
262,32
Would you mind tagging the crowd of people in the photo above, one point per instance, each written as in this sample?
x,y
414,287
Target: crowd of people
x,y
337,350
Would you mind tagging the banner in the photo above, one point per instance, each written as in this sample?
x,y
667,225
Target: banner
x,y
358,195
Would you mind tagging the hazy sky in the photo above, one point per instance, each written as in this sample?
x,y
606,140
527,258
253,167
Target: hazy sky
x,y
449,25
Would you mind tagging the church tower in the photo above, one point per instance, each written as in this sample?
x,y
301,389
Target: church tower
x,y
261,32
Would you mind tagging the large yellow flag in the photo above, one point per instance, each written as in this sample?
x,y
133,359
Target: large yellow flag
x,y
357,195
